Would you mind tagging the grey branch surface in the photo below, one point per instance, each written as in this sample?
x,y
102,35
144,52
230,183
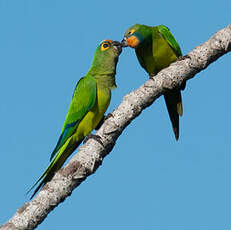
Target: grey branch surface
x,y
90,155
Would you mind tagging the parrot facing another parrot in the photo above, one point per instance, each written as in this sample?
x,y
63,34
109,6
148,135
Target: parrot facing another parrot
x,y
90,101
156,48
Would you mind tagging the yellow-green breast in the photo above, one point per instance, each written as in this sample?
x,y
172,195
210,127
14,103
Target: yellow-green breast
x,y
94,116
155,55
162,52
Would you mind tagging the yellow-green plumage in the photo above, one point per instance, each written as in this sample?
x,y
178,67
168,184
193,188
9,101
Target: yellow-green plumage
x,y
90,101
94,116
156,48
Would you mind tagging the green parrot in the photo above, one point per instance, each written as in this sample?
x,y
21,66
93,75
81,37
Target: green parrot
x,y
156,48
90,101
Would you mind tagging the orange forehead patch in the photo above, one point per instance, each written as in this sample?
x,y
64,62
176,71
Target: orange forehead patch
x,y
107,40
133,41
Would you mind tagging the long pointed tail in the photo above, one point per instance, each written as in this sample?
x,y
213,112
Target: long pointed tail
x,y
45,177
175,109
55,164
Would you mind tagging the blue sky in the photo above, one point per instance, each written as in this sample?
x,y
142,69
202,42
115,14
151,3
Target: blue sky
x,y
149,181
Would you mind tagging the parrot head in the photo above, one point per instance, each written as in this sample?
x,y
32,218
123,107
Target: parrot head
x,y
106,57
136,35
108,48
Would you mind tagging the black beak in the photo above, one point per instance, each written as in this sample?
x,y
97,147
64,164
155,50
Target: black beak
x,y
124,42
118,45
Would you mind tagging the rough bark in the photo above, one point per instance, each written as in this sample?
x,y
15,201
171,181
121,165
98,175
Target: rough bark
x,y
90,155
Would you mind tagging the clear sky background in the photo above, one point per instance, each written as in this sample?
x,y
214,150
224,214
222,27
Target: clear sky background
x,y
149,181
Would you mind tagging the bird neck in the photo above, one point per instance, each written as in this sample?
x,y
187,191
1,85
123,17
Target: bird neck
x,y
105,80
106,66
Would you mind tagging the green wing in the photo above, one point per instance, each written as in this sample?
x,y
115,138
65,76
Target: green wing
x,y
83,100
165,32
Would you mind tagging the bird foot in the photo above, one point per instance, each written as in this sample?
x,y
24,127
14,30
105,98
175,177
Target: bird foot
x,y
95,137
102,121
181,58
183,85
108,116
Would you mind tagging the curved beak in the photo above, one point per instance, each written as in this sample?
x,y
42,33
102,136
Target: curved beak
x,y
124,42
118,46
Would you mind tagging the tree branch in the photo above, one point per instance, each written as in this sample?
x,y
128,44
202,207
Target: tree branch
x,y
91,154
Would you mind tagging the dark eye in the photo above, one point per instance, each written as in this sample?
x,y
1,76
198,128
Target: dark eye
x,y
105,46
129,32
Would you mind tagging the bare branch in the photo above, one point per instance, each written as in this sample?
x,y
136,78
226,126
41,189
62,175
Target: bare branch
x,y
91,154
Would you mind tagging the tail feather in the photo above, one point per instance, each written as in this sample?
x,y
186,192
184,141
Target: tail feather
x,y
55,164
45,177
175,109
36,190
